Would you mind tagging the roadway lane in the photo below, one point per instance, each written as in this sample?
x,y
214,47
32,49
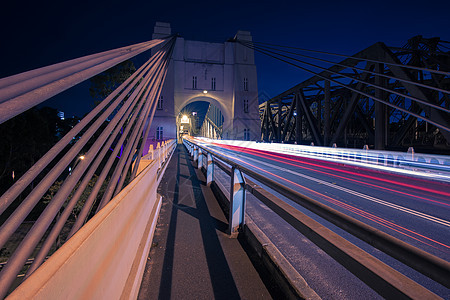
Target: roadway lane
x,y
414,210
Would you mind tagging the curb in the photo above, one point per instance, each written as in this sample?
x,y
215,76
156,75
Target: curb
x,y
290,282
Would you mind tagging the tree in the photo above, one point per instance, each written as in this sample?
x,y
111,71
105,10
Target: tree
x,y
80,203
24,139
106,82
84,196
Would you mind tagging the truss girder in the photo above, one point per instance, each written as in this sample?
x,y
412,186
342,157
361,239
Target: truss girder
x,y
323,113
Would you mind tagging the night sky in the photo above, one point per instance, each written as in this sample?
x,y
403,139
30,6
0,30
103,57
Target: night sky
x,y
39,33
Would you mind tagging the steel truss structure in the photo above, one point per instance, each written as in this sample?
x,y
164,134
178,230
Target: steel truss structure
x,y
384,97
212,126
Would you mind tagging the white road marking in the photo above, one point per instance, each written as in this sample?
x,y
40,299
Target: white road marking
x,y
358,194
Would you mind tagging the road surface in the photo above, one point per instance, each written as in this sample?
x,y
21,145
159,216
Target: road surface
x,y
415,210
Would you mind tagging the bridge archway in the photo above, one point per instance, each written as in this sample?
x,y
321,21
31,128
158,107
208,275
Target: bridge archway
x,y
223,74
224,111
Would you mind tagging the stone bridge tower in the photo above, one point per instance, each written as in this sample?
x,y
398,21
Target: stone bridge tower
x,y
223,74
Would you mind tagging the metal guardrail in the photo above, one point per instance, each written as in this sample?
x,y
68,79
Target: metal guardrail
x,y
382,278
435,166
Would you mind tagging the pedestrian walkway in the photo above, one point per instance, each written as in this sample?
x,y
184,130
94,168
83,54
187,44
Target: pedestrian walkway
x,y
192,257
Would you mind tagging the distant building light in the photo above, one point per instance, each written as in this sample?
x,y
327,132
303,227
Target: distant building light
x,y
60,115
194,113
205,92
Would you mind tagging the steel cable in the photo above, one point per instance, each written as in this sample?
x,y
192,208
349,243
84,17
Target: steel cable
x,y
357,58
16,261
359,80
354,90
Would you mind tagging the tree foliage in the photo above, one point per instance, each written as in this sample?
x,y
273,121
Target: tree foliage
x,y
24,139
105,83
53,190
84,196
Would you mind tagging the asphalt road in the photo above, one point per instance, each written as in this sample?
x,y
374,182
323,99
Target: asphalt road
x,y
412,209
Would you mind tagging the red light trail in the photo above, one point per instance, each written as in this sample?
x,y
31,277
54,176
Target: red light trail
x,y
362,213
273,157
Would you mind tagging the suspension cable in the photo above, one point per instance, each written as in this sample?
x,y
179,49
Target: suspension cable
x,y
420,50
132,85
360,69
60,223
354,90
357,58
359,80
17,98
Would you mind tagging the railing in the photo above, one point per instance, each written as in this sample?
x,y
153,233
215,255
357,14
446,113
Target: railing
x,y
436,166
380,277
160,152
105,259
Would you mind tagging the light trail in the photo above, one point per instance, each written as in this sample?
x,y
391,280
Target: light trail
x,y
400,229
358,194
267,155
350,179
376,219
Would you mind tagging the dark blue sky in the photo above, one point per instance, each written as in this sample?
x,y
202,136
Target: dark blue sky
x,y
39,33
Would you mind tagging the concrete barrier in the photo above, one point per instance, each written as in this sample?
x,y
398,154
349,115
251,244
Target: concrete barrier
x,y
105,259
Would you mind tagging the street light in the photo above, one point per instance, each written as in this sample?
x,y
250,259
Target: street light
x,y
81,157
184,119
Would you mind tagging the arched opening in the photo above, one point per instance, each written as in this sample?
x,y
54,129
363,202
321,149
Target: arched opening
x,y
200,118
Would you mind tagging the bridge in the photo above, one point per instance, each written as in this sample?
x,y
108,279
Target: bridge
x,y
323,191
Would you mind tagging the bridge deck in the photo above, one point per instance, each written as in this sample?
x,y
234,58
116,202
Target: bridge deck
x,y
192,257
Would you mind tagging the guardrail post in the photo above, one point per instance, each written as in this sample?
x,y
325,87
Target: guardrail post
x,y
366,157
205,160
237,202
209,170
150,150
410,154
165,151
195,153
159,157
200,159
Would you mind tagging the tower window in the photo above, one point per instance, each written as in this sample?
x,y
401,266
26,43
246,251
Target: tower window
x,y
159,133
194,82
246,105
213,83
245,84
160,103
246,134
